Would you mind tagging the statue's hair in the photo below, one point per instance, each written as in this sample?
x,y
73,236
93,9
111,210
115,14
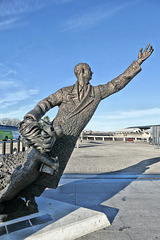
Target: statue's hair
x,y
80,66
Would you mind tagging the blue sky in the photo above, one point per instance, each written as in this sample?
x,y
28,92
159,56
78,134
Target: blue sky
x,y
41,42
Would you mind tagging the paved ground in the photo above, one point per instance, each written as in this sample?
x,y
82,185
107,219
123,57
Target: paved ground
x,y
108,157
131,205
125,186
119,179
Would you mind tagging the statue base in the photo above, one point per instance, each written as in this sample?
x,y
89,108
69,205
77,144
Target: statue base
x,y
55,220
16,208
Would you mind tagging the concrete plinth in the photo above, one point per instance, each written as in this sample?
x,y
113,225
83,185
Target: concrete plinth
x,y
55,220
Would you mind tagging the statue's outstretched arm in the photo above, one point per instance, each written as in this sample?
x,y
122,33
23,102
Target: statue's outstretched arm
x,y
122,80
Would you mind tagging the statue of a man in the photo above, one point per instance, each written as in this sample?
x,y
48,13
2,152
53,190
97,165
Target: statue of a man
x,y
77,105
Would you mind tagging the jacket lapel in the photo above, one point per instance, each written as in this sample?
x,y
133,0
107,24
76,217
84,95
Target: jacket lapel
x,y
87,99
74,95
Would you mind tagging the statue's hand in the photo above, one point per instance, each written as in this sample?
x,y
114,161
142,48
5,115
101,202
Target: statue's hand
x,y
143,56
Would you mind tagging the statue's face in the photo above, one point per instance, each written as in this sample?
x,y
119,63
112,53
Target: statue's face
x,y
87,73
84,74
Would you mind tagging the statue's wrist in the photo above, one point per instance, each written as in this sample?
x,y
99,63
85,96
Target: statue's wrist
x,y
139,61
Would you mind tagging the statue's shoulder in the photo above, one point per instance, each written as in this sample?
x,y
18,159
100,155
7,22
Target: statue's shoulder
x,y
95,88
67,89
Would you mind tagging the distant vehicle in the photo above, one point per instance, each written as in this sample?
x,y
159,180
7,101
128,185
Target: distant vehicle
x,y
6,135
129,139
9,132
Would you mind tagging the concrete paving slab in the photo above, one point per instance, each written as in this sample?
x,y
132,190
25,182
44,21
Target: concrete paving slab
x,y
131,205
55,220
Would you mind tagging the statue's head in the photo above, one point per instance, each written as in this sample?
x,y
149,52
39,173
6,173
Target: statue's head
x,y
83,72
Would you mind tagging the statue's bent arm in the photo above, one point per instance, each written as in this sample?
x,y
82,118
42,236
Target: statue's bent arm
x,y
41,138
121,81
45,105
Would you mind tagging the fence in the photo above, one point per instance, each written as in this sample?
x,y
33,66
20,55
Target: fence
x,y
11,146
115,138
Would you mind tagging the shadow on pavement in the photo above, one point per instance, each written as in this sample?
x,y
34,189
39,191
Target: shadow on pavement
x,y
93,144
138,168
90,193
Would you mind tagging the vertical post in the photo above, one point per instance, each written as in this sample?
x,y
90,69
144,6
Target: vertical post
x,y
18,145
3,148
77,143
156,136
11,146
23,148
23,145
81,136
152,128
153,133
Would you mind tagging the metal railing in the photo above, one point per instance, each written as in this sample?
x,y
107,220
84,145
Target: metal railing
x,y
114,138
11,146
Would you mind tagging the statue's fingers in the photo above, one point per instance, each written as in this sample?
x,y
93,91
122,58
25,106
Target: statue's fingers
x,y
140,53
147,47
151,48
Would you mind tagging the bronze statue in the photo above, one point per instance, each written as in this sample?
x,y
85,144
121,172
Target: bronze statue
x,y
77,105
